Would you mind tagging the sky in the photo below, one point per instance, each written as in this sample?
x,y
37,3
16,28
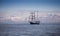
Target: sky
x,y
19,10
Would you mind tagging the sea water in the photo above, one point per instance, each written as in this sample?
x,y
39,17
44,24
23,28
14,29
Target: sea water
x,y
30,30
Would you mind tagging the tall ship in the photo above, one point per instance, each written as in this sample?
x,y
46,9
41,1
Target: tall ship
x,y
33,18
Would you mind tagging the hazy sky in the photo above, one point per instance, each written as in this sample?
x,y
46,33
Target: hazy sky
x,y
18,10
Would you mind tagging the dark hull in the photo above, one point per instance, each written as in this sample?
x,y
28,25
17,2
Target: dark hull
x,y
37,23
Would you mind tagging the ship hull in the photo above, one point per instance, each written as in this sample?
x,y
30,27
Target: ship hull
x,y
37,23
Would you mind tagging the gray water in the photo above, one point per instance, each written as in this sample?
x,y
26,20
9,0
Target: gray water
x,y
29,30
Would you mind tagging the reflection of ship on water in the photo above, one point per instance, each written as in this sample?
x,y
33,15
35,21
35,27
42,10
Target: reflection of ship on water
x,y
33,18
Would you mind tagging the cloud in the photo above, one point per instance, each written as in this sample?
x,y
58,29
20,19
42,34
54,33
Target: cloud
x,y
50,18
1,17
22,16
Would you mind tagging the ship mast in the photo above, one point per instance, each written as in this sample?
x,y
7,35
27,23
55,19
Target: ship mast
x,y
37,15
32,16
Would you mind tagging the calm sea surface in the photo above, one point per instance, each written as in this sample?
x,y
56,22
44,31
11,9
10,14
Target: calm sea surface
x,y
29,30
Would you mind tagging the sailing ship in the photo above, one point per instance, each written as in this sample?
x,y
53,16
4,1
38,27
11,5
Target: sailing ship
x,y
33,18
